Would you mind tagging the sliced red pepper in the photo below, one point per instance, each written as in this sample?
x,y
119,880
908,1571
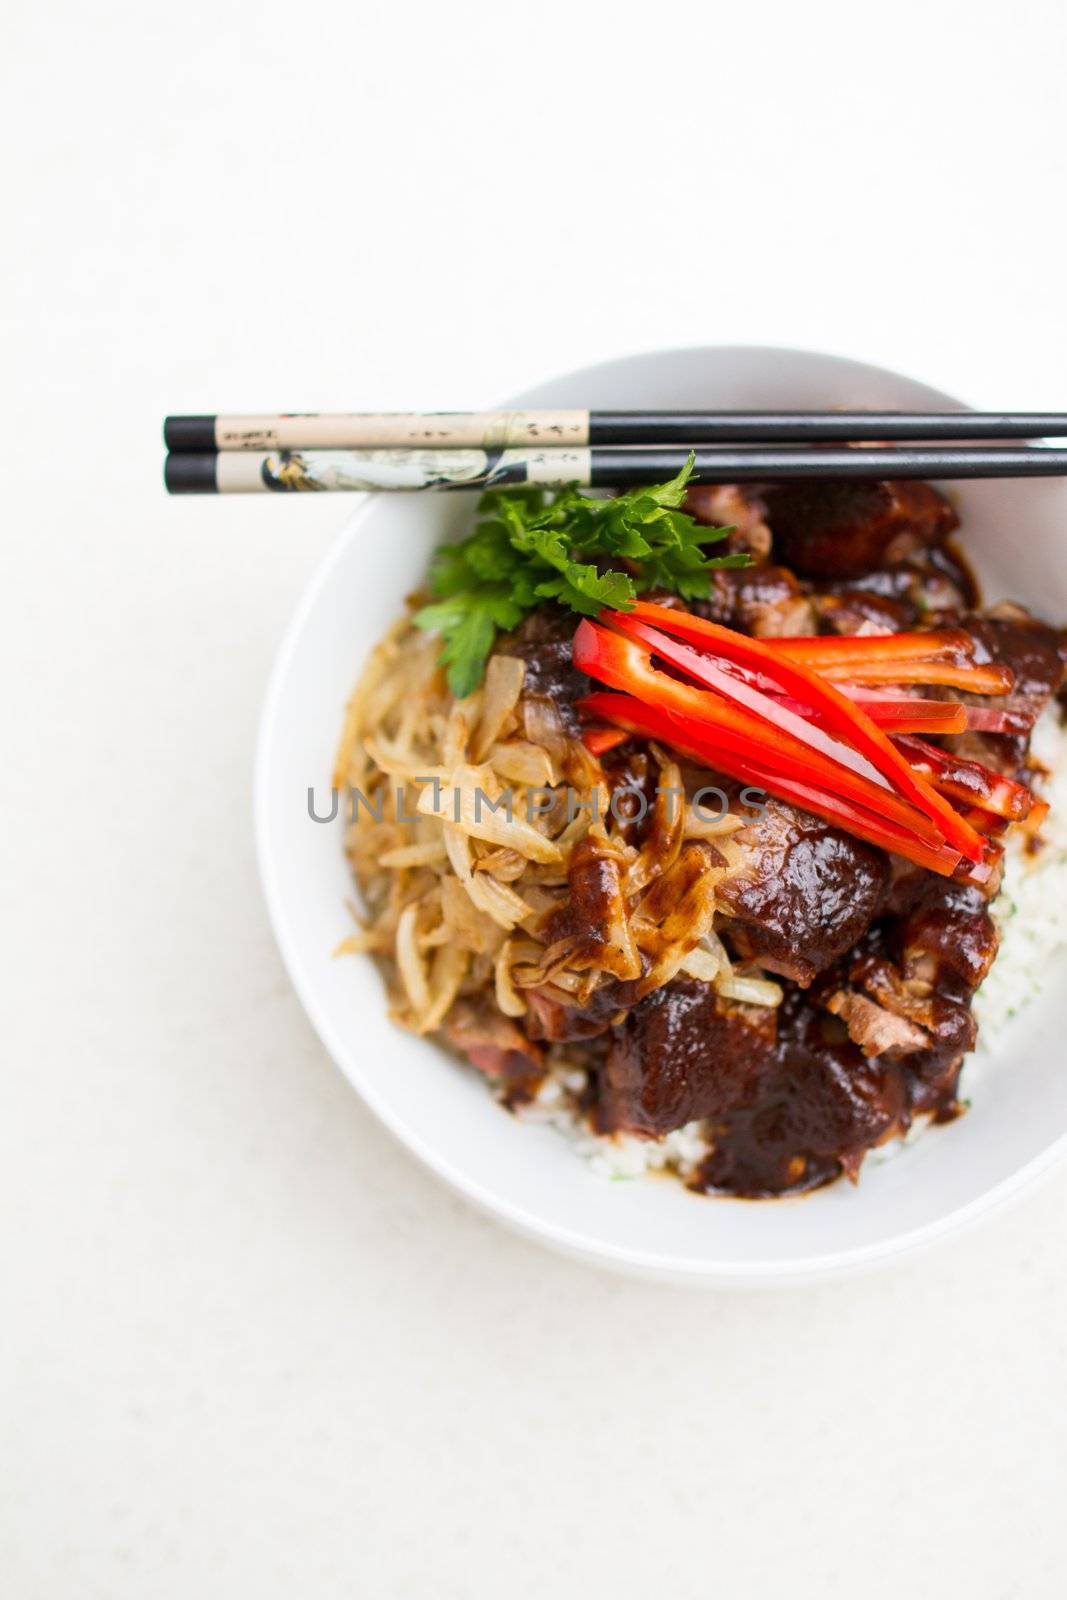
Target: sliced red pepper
x,y
752,692
900,713
990,677
598,741
624,663
986,822
701,745
942,657
836,712
969,781
908,713
827,650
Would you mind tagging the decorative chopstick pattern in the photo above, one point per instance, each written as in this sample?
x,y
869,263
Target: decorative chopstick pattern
x,y
501,430
294,471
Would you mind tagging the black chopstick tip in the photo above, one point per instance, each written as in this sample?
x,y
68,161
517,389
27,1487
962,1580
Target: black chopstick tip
x,y
190,474
189,433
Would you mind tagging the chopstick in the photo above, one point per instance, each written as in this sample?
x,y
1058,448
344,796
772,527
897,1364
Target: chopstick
x,y
243,472
512,429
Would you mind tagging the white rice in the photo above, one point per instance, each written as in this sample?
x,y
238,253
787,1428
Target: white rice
x,y
1031,915
1031,909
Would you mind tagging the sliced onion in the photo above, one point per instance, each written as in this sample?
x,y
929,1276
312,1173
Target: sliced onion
x,y
461,801
414,855
675,915
519,761
500,696
410,963
498,901
383,754
466,925
543,725
508,997
447,971
750,991
700,964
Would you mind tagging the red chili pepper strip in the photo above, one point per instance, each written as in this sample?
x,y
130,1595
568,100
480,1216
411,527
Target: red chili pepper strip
x,y
598,741
900,713
746,690
906,713
656,723
626,664
831,706
822,650
969,781
990,677
937,657
985,821
923,716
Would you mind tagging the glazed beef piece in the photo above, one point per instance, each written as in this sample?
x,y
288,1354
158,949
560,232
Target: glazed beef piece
x,y
945,1030
681,1055
543,641
861,611
877,1030
493,1043
812,1111
788,1099
905,993
1036,653
930,589
947,944
845,529
555,1021
804,894
765,601
737,506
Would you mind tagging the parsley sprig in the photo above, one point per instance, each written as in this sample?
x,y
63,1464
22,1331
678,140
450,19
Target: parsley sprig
x,y
527,549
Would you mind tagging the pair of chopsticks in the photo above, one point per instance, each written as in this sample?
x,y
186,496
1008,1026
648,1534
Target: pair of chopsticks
x,y
598,449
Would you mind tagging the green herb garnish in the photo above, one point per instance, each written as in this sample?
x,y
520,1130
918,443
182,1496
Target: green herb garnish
x,y
527,548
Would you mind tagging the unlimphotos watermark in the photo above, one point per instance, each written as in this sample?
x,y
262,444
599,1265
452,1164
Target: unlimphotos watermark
x,y
627,803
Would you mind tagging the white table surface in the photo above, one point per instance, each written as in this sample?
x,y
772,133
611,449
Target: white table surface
x,y
248,1347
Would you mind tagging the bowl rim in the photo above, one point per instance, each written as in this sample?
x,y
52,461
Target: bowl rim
x,y
571,1240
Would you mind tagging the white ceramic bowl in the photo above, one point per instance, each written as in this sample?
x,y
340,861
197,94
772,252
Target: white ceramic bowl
x,y
526,1175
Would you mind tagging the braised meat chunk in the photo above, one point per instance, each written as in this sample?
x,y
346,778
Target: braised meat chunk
x,y
1036,654
492,1042
737,506
906,991
948,943
934,582
681,1055
812,1113
765,601
804,894
845,529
